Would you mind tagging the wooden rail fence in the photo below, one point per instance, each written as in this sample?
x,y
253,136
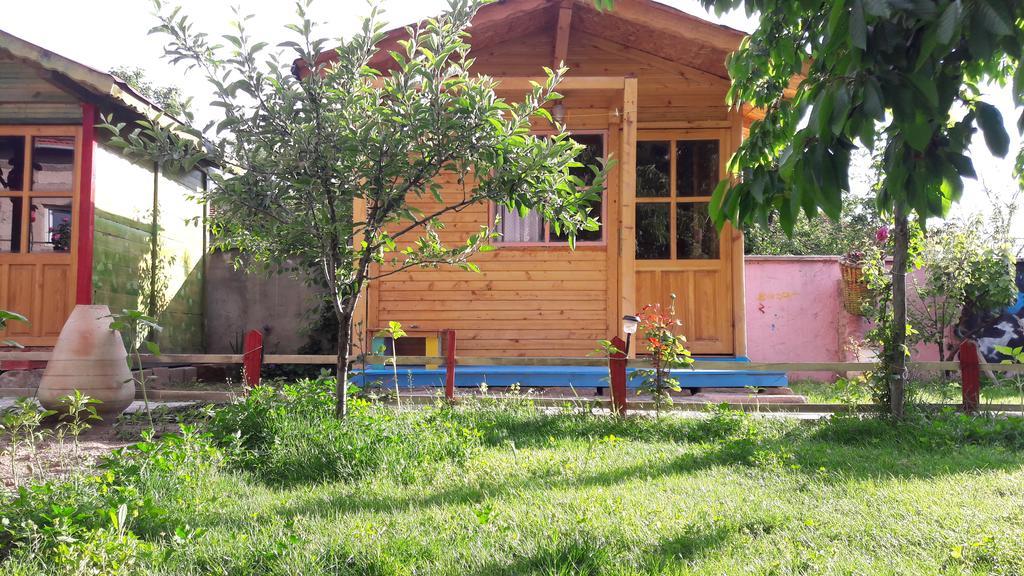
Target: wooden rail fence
x,y
253,359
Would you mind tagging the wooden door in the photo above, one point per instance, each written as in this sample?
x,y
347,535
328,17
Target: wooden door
x,y
678,250
39,168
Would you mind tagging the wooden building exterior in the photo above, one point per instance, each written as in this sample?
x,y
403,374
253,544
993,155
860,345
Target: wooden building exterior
x,y
79,222
646,86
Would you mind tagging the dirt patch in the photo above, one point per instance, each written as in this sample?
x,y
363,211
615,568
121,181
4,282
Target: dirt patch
x,y
53,459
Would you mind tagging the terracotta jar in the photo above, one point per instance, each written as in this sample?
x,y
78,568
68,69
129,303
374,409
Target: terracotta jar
x,y
89,357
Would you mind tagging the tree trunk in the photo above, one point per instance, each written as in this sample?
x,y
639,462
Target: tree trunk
x,y
897,348
341,368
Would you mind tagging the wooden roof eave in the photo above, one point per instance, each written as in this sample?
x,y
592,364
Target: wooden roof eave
x,y
85,82
492,26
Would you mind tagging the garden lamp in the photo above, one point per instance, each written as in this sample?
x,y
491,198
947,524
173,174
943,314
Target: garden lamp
x,y
629,326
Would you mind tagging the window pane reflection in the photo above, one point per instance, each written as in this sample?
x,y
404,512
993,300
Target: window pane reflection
x,y
696,236
50,225
53,163
12,163
696,167
592,155
10,224
652,169
652,231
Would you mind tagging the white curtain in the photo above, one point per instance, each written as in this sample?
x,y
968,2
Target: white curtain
x,y
516,228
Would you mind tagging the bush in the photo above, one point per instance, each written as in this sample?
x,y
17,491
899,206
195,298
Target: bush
x,y
928,431
292,436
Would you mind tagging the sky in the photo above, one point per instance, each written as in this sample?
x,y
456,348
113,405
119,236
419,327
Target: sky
x,y
116,35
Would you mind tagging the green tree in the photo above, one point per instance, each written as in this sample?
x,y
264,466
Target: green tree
x,y
170,98
299,153
906,71
858,226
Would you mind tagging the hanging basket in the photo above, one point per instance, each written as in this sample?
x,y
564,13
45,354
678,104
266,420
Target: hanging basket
x,y
855,289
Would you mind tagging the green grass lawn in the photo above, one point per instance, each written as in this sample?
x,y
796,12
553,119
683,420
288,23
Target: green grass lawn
x,y
577,494
929,391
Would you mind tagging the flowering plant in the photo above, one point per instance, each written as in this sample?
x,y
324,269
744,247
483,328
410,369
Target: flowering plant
x,y
60,236
667,350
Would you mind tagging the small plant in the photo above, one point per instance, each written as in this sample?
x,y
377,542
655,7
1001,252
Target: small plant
x,y
394,331
135,325
22,423
79,411
667,351
5,317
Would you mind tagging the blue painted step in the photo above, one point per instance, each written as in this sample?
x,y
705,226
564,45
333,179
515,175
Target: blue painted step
x,y
563,376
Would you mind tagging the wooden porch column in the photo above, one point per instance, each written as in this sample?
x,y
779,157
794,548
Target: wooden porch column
x,y
362,337
86,208
627,192
739,298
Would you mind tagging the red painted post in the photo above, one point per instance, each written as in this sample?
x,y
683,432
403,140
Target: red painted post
x,y
617,372
449,365
970,376
86,208
252,357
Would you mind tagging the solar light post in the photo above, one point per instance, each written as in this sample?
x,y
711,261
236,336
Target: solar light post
x,y
630,324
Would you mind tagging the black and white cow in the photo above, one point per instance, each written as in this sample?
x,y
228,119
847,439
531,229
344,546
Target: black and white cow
x,y
1004,329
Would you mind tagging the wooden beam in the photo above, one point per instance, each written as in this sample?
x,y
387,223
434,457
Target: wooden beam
x,y
562,30
360,319
612,224
523,83
739,300
627,194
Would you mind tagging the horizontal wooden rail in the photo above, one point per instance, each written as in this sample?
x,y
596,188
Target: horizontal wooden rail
x,y
150,359
330,359
25,355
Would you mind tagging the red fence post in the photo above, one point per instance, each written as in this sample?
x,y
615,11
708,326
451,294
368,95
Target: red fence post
x,y
617,372
970,376
252,357
449,365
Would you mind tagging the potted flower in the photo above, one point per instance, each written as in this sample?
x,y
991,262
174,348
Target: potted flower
x,y
60,236
854,287
851,268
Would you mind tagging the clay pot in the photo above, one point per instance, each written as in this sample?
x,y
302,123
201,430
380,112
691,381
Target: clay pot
x,y
89,357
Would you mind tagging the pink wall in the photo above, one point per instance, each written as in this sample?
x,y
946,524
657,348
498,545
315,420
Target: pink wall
x,y
795,313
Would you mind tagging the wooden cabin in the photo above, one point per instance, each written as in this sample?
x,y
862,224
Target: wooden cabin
x,y
79,222
646,85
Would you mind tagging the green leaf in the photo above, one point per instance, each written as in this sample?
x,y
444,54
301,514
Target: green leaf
x,y
1018,86
947,23
993,20
858,28
873,99
925,86
918,133
990,120
840,109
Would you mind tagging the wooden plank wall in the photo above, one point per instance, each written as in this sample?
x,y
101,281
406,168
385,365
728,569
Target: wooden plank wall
x,y
546,301
26,98
531,301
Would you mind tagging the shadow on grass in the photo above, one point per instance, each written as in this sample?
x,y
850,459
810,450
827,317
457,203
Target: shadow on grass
x,y
831,452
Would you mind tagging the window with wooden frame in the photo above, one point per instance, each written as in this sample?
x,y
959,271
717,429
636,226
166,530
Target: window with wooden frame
x,y
532,230
36,189
674,183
